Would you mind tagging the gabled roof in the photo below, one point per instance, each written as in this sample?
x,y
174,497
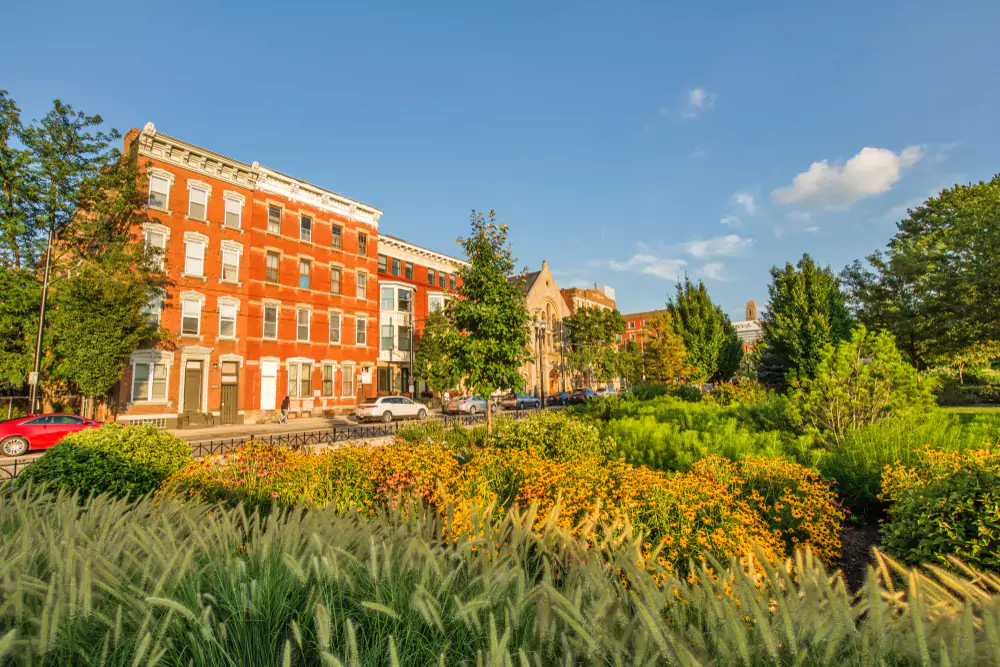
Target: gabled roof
x,y
525,280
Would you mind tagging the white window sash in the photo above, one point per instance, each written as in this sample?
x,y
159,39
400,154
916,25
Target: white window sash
x,y
234,208
334,328
199,197
299,324
273,309
194,258
191,309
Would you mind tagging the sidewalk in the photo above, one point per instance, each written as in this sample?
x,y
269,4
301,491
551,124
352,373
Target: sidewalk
x,y
240,430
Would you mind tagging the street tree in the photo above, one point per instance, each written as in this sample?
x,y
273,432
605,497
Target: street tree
x,y
593,334
665,360
490,313
19,240
713,348
433,362
936,287
806,312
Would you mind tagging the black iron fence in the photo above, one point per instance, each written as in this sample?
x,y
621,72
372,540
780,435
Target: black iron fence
x,y
9,469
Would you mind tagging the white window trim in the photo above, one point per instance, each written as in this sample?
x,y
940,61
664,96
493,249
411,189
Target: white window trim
x,y
340,327
230,196
192,297
357,320
151,358
203,187
231,246
322,369
195,237
358,283
348,370
232,302
308,337
168,177
312,228
263,320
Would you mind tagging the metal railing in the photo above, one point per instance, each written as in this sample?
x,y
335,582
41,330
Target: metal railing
x,y
9,469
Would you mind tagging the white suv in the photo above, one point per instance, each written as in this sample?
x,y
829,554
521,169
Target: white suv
x,y
387,408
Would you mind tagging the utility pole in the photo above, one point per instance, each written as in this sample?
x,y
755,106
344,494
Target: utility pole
x,y
41,324
413,382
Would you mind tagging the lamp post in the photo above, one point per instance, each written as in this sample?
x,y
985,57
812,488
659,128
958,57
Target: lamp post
x,y
540,327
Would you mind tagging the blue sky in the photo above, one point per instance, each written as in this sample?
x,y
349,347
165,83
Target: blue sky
x,y
624,142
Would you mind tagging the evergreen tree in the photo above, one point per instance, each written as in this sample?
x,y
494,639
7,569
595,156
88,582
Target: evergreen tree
x,y
806,312
666,360
432,360
490,313
713,348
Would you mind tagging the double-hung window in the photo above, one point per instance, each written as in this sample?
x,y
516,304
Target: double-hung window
x,y
362,287
300,379
361,331
156,245
271,267
159,192
234,212
336,237
198,203
302,324
451,281
383,264
408,271
404,339
435,302
274,219
441,278
405,302
230,264
387,301
194,257
190,317
270,322
227,319
386,337
328,380
336,279
305,228
362,244
335,328
305,269
395,267
152,310
348,381
431,276
149,382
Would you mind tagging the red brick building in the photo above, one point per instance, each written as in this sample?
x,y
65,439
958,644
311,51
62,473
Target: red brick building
x,y
412,282
638,325
273,292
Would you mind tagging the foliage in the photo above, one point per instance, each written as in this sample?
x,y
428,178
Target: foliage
x,y
432,359
115,583
114,459
593,332
709,337
943,248
554,435
648,390
858,462
688,393
862,380
947,503
18,324
666,360
490,313
738,390
806,311
19,191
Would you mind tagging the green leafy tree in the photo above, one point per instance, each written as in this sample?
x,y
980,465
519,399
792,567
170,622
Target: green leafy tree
x,y
490,313
432,361
937,285
20,295
666,359
806,312
593,333
713,348
19,240
860,381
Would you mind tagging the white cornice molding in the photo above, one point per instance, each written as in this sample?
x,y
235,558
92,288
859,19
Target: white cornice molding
x,y
187,156
419,254
276,183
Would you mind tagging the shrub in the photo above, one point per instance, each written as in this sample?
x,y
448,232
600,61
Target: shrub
x,y
115,459
645,391
799,508
946,504
688,392
862,380
739,391
552,434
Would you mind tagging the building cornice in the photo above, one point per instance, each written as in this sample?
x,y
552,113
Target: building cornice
x,y
385,241
276,183
174,151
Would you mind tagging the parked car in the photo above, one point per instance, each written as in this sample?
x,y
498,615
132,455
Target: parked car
x,y
606,391
562,398
388,408
18,436
469,405
581,396
520,402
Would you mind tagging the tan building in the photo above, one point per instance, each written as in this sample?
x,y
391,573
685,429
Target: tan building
x,y
601,296
547,308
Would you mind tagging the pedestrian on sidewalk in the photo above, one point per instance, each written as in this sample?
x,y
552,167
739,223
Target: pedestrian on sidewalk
x,y
284,410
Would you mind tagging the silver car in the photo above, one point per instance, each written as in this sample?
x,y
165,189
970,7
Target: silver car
x,y
387,408
470,405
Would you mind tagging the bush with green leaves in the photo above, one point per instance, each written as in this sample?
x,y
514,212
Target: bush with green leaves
x,y
177,583
554,435
945,503
739,391
860,381
115,459
688,393
645,391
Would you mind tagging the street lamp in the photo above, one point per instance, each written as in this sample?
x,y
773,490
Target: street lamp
x,y
540,332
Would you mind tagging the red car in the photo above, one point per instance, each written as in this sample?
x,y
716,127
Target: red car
x,y
19,435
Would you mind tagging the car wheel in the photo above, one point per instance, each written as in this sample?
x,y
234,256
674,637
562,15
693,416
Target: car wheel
x,y
386,417
472,410
422,415
493,408
15,446
520,406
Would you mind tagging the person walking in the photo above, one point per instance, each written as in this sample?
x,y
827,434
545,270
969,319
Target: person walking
x,y
284,410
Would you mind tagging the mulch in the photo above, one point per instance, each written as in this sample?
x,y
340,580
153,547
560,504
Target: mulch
x,y
858,540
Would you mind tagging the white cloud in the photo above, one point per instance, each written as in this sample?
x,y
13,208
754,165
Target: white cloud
x,y
720,246
731,220
697,101
871,172
800,216
647,264
745,199
713,271
811,230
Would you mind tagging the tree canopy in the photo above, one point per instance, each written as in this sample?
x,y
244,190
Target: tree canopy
x,y
593,333
714,349
666,360
433,361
